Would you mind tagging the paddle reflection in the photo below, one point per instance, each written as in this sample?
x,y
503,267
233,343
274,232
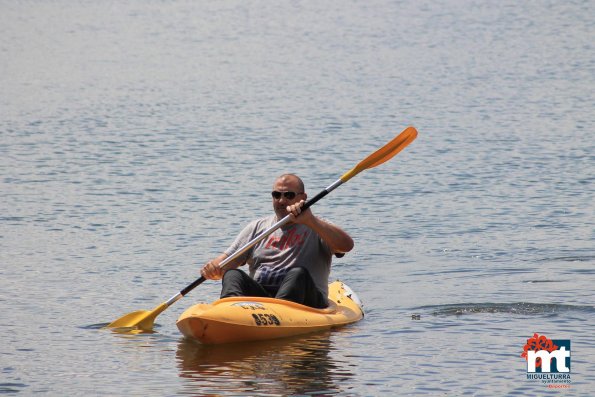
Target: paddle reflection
x,y
290,366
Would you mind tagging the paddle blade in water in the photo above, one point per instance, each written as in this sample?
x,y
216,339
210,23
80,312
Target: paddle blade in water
x,y
140,319
383,154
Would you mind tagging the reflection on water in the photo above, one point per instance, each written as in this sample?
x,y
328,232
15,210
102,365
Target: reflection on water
x,y
290,366
121,330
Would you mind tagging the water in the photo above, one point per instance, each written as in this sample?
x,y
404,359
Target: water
x,y
137,138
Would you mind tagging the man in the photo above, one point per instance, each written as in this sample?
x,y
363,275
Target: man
x,y
294,262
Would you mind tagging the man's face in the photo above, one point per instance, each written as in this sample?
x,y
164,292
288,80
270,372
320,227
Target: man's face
x,y
286,191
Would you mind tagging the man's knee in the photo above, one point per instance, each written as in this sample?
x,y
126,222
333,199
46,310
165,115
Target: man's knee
x,y
233,274
298,272
233,283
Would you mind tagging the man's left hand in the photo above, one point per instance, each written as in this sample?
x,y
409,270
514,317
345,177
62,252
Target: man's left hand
x,y
297,216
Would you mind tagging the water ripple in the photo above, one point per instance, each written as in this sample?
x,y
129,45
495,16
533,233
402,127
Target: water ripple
x,y
518,308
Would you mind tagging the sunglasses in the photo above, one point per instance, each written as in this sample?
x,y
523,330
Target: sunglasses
x,y
288,195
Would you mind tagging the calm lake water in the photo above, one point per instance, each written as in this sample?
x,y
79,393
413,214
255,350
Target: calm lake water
x,y
137,138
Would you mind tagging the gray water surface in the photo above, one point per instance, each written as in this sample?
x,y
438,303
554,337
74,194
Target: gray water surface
x,y
137,138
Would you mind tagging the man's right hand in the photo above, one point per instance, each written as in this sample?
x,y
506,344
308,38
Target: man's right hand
x,y
212,271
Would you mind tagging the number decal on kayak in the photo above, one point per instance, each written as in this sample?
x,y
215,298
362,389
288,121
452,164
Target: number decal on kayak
x,y
265,319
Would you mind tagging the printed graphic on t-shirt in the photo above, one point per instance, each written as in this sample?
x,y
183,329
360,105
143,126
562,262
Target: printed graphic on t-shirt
x,y
292,239
288,240
271,276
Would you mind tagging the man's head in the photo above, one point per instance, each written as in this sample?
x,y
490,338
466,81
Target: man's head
x,y
288,189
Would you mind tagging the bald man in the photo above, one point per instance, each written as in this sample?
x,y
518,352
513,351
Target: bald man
x,y
294,262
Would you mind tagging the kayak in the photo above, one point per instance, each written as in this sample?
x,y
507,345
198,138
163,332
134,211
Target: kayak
x,y
243,319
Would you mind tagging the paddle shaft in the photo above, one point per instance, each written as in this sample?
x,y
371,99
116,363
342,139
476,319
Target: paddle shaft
x,y
143,319
242,250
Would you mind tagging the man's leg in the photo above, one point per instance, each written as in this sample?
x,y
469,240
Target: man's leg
x,y
237,283
298,286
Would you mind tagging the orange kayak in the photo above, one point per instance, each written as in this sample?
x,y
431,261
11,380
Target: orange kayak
x,y
242,319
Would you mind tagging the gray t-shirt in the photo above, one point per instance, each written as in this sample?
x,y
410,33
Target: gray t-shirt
x,y
289,246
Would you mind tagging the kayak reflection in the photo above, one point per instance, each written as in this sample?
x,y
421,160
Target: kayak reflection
x,y
290,366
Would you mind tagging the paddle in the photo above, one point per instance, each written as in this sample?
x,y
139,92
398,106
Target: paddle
x,y
143,319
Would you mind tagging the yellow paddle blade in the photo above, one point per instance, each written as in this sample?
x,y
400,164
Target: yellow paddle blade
x,y
383,154
140,319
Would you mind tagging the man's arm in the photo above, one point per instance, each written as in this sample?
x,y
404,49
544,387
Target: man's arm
x,y
335,237
212,271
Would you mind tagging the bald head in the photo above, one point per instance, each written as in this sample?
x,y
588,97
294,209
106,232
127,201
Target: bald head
x,y
288,189
292,180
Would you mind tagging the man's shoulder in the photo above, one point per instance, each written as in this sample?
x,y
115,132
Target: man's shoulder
x,y
262,223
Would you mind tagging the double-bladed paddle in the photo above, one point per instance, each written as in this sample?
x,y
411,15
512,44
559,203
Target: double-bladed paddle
x,y
144,319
